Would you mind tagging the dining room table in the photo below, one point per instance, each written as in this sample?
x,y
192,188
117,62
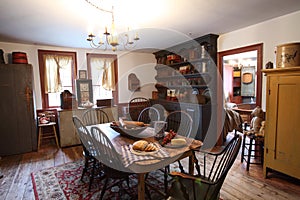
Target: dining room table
x,y
145,163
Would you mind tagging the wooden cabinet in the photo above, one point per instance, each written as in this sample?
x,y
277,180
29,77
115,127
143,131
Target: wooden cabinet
x,y
282,133
18,122
184,71
67,133
185,74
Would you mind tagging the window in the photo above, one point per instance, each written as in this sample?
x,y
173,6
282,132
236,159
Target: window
x,y
57,73
103,70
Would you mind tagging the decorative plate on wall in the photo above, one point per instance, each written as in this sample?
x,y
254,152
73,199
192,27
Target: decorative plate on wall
x,y
133,82
247,78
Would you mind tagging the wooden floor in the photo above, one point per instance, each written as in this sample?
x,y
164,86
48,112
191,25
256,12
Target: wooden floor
x,y
239,184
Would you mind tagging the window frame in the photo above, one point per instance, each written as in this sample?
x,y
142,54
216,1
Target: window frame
x,y
41,53
89,69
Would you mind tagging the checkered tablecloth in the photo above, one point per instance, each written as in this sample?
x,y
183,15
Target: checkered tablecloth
x,y
129,157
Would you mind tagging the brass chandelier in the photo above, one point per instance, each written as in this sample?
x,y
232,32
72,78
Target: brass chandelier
x,y
111,40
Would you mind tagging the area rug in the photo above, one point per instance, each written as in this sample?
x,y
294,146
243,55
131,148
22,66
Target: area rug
x,y
63,183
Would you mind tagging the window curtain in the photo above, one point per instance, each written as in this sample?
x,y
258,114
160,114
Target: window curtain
x,y
108,77
104,67
53,64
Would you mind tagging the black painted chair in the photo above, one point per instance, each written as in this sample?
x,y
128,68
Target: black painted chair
x,y
136,105
206,185
181,123
148,115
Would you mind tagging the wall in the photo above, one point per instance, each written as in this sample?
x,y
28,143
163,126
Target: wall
x,y
142,65
271,33
128,61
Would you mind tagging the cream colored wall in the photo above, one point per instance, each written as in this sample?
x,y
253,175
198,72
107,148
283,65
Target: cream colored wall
x,y
127,62
271,33
142,65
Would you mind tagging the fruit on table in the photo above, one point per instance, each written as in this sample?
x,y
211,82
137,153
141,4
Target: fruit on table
x,y
169,136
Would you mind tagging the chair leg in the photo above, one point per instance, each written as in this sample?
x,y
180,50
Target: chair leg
x,y
181,167
127,181
249,154
167,170
103,189
39,137
86,163
55,134
92,174
197,166
243,148
148,193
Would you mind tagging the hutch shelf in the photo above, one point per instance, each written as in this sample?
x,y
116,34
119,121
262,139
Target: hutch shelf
x,y
183,79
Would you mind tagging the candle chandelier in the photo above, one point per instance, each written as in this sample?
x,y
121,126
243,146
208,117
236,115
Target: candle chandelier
x,y
111,40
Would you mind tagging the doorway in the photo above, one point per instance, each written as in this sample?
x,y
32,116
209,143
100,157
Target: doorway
x,y
241,72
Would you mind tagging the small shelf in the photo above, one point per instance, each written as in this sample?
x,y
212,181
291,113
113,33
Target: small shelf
x,y
181,86
183,76
236,73
180,75
190,62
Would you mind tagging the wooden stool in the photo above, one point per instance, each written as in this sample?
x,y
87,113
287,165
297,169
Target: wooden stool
x,y
254,148
46,135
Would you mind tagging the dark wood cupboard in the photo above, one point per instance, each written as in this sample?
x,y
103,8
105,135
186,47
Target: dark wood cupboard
x,y
185,74
18,122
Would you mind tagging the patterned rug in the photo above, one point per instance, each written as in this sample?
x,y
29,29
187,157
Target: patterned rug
x,y
63,183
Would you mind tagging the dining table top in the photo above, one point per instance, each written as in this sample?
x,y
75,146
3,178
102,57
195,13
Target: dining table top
x,y
151,162
147,163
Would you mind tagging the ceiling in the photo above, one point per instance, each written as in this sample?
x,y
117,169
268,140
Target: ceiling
x,y
160,23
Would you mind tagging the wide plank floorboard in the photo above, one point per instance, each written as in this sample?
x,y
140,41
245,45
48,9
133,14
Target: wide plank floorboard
x,y
239,184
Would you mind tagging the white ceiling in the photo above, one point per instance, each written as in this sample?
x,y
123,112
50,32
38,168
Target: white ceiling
x,y
160,23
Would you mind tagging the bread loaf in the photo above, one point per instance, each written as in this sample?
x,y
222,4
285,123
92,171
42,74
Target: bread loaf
x,y
143,145
151,147
140,145
135,123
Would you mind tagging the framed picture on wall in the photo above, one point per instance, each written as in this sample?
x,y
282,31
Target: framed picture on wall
x,y
82,74
84,91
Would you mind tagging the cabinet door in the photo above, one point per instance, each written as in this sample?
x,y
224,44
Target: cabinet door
x,y
193,111
17,122
283,116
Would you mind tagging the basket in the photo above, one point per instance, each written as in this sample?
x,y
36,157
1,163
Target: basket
x,y
128,132
288,55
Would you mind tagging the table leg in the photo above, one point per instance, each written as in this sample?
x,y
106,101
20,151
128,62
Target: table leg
x,y
141,186
191,164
